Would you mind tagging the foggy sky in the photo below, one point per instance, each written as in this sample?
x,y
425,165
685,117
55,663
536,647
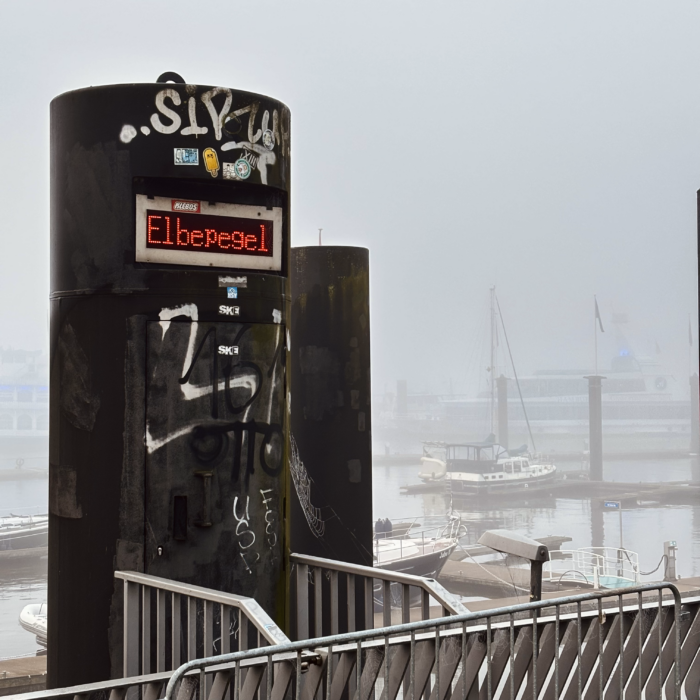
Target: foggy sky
x,y
551,148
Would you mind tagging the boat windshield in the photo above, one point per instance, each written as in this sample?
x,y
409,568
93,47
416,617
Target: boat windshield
x,y
434,450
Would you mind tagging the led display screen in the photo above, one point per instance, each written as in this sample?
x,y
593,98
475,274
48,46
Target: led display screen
x,y
204,233
207,233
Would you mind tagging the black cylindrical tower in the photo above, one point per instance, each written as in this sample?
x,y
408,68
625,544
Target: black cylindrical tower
x,y
331,465
595,426
169,307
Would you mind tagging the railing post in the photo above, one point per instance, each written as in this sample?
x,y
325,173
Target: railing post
x,y
369,603
145,629
334,602
424,604
160,630
351,602
318,601
176,627
386,603
191,628
302,601
225,629
131,629
208,640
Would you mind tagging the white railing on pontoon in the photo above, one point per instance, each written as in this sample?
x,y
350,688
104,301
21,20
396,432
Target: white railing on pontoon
x,y
599,567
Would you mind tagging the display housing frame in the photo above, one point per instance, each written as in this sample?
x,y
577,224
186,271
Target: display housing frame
x,y
201,259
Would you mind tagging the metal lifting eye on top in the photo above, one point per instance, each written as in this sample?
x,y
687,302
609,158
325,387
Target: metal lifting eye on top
x,y
170,77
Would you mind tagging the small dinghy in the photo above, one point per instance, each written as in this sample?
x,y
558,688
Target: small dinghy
x,y
33,619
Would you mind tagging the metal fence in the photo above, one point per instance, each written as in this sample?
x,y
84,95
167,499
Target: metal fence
x,y
167,623
639,644
334,596
607,644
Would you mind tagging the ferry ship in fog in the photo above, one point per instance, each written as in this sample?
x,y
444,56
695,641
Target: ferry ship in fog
x,y
641,412
24,410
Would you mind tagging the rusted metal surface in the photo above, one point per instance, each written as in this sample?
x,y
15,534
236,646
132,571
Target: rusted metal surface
x,y
331,511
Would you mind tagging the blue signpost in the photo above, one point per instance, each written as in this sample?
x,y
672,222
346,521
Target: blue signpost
x,y
616,505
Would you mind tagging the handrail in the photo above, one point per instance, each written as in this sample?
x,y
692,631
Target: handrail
x,y
296,654
83,691
262,621
413,627
441,594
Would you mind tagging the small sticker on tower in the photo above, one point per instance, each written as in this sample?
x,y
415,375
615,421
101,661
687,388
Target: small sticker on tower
x,y
226,310
228,349
186,156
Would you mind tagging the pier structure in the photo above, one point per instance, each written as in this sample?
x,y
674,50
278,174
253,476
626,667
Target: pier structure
x,y
331,460
595,426
169,377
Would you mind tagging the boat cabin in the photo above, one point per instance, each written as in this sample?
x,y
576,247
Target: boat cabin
x,y
516,466
475,458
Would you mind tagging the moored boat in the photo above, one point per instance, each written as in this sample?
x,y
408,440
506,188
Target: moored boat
x,y
33,619
21,532
484,467
417,551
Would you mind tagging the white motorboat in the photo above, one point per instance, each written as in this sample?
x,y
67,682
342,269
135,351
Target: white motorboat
x,y
484,467
24,532
414,550
33,619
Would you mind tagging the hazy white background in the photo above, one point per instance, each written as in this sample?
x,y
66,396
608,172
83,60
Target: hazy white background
x,y
551,148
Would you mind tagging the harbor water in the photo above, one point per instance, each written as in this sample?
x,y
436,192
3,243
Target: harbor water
x,y
645,528
21,581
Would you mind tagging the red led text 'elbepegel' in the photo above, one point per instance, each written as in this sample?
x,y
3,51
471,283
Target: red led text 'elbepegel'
x,y
208,234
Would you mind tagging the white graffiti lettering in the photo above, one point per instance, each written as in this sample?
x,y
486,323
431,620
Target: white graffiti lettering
x,y
193,129
217,118
243,524
273,137
166,112
269,518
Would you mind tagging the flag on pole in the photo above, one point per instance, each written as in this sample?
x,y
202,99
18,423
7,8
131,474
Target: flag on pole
x,y
597,315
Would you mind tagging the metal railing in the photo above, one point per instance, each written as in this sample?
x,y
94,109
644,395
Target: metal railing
x,y
167,623
600,567
616,644
347,595
555,652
